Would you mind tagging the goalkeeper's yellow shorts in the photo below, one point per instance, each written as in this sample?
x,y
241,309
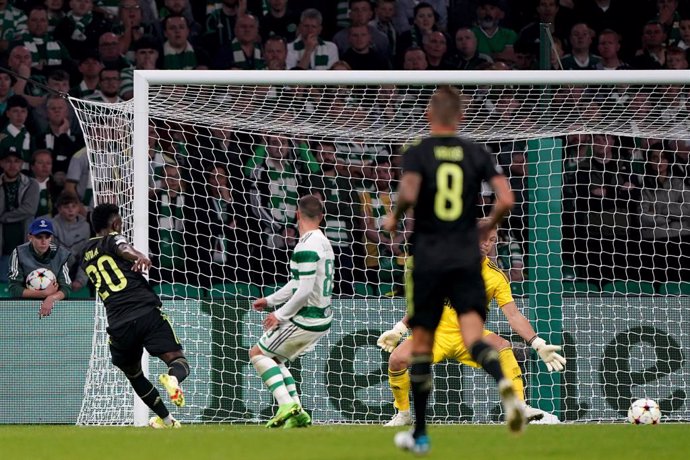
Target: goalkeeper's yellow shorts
x,y
451,346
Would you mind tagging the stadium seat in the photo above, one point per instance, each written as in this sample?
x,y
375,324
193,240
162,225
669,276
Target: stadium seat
x,y
579,287
682,288
4,291
364,290
629,288
235,290
178,291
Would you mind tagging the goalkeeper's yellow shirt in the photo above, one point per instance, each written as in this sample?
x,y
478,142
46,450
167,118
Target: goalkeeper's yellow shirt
x,y
497,287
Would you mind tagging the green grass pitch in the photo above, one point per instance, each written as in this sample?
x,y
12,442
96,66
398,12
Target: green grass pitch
x,y
586,442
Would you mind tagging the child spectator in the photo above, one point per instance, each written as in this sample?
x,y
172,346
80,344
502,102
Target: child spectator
x,y
14,137
72,230
40,252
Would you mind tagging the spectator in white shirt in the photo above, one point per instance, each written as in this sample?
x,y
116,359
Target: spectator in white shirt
x,y
309,51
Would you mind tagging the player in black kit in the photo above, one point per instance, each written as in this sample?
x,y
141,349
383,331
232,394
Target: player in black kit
x,y
134,314
442,176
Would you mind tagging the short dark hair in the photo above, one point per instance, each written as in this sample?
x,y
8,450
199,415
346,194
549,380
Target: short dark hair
x,y
173,16
422,5
66,198
40,152
146,42
611,32
17,100
446,104
37,6
277,38
352,2
108,69
58,75
310,206
102,215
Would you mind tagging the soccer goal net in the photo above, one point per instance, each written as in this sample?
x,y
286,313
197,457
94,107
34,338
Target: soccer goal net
x,y
208,167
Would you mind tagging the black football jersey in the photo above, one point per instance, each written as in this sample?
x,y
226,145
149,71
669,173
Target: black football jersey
x,y
445,228
125,293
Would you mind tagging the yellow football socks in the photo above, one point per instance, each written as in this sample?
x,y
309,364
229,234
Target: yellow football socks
x,y
511,370
399,382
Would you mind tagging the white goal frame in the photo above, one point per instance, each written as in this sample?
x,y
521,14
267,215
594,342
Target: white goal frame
x,y
144,78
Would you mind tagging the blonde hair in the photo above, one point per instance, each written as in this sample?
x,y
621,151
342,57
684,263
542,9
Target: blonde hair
x,y
486,219
446,104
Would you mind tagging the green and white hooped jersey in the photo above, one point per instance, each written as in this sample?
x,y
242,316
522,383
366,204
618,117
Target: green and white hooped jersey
x,y
313,258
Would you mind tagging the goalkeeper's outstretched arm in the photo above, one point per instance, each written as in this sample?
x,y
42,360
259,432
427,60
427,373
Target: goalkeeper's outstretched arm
x,y
518,323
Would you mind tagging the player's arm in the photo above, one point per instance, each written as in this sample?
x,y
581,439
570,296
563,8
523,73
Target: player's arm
x,y
505,200
390,339
518,323
292,306
408,192
305,286
128,252
304,267
277,298
62,292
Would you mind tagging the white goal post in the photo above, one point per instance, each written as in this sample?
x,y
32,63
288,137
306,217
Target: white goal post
x,y
543,115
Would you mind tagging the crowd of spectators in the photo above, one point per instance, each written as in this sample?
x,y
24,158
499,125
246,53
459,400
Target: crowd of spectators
x,y
228,199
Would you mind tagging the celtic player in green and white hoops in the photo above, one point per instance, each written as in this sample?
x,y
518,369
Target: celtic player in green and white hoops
x,y
304,318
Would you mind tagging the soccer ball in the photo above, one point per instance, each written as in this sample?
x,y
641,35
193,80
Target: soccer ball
x,y
40,279
644,412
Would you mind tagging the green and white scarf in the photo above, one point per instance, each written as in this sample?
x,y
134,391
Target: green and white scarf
x,y
12,23
320,60
45,200
80,24
44,50
170,218
342,14
240,59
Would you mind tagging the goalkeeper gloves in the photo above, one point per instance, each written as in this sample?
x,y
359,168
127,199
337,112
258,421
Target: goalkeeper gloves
x,y
547,353
390,339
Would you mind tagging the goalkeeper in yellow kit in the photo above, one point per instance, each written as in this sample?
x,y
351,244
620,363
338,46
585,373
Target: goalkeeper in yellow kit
x,y
448,342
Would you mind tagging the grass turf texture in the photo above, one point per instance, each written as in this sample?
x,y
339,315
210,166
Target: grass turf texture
x,y
609,442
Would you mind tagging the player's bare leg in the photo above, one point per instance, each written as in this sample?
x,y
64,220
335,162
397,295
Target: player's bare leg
x,y
417,440
399,381
471,328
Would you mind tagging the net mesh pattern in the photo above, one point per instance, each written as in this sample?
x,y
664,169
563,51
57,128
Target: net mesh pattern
x,y
595,248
